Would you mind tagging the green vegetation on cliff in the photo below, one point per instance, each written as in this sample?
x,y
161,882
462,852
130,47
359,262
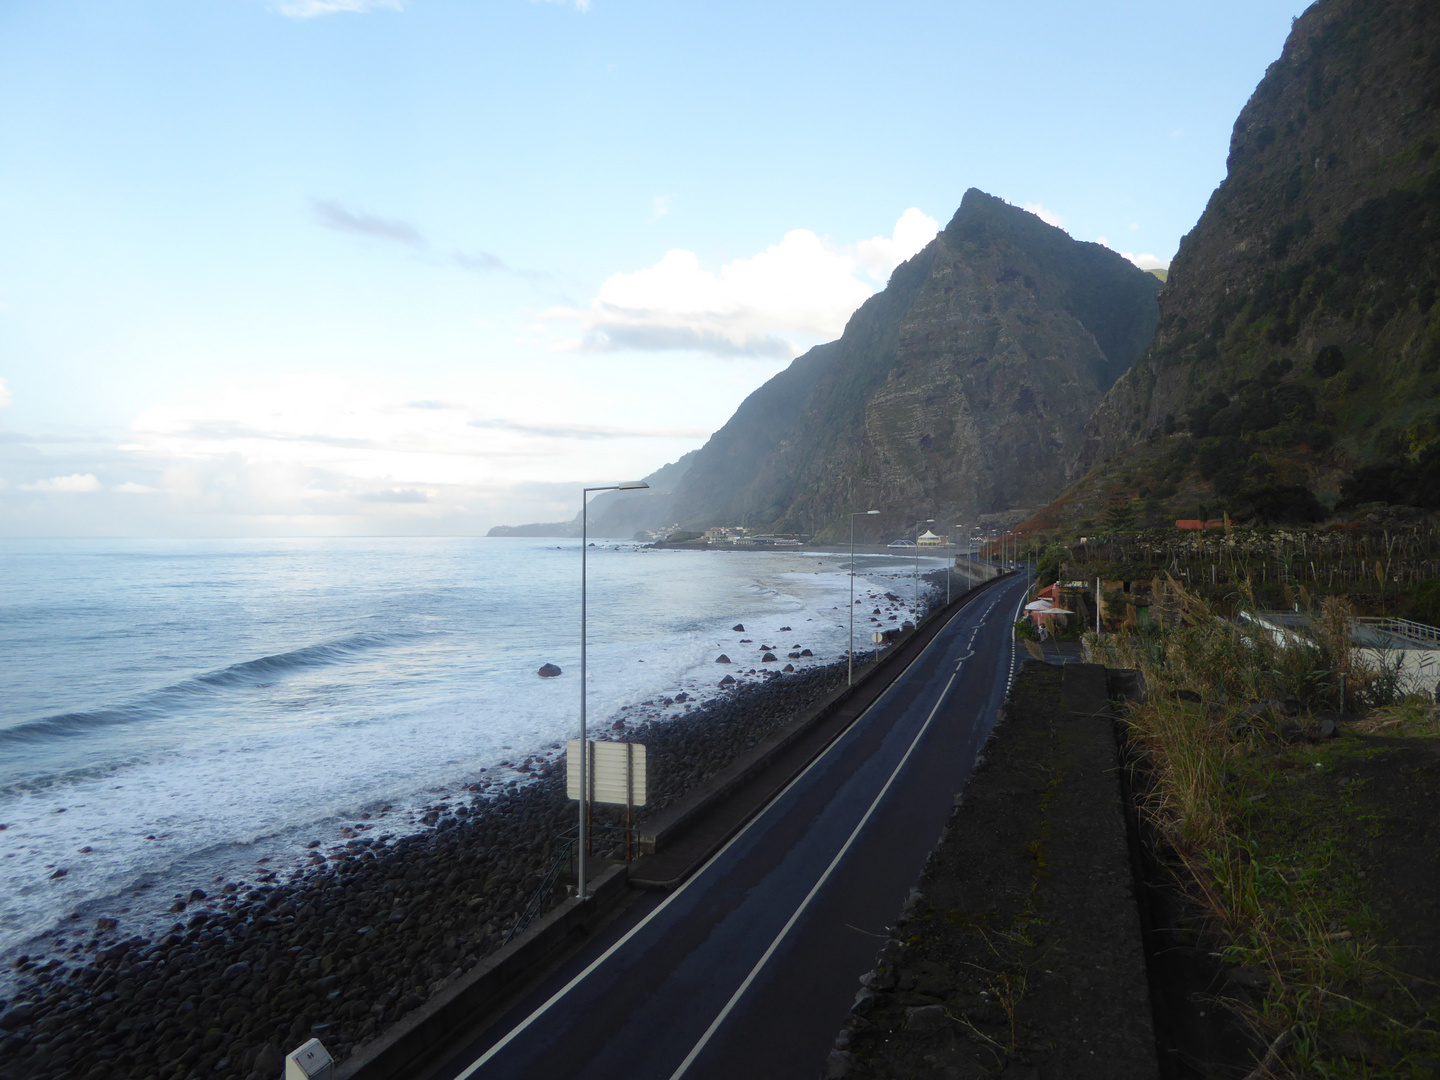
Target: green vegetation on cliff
x,y
961,389
1299,338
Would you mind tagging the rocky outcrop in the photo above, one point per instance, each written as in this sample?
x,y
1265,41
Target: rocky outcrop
x,y
961,389
1303,300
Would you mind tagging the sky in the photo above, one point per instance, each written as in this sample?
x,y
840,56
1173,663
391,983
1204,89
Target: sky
x,y
420,267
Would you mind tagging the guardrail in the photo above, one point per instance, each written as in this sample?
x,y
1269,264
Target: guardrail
x,y
1404,628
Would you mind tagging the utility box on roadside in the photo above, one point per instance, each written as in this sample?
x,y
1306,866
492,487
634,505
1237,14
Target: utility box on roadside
x,y
309,1062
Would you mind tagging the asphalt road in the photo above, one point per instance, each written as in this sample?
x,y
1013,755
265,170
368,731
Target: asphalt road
x,y
750,968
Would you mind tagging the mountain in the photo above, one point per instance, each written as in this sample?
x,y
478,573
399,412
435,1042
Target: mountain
x,y
1297,352
618,513
961,389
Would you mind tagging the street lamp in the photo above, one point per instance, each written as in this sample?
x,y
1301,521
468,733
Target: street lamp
x,y
850,657
928,521
950,565
629,485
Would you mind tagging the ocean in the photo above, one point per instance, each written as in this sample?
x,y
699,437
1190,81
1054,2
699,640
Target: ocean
x,y
175,713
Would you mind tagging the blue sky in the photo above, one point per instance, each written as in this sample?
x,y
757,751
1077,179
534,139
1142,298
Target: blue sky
x,y
339,267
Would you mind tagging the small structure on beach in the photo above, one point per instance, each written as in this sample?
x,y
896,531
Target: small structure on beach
x,y
929,539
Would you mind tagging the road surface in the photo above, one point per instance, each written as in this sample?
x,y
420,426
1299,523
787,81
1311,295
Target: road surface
x,y
749,969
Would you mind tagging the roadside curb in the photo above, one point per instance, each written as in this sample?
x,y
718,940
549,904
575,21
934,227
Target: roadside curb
x,y
675,822
405,1047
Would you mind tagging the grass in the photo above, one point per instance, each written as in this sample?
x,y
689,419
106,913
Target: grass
x,y
1267,833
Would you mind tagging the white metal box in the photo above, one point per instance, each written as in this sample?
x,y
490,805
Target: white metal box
x,y
310,1061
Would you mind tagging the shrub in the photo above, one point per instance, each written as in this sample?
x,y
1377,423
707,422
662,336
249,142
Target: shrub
x,y
1329,361
1279,504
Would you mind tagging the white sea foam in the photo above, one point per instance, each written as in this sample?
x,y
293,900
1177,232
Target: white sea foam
x,y
184,710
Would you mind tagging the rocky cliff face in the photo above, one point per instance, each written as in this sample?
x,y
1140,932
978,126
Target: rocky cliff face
x,y
1298,325
962,389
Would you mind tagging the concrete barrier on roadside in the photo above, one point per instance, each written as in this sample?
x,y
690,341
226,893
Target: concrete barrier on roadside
x,y
422,1035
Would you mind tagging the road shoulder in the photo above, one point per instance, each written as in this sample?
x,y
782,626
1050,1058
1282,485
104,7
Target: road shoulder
x,y
1020,953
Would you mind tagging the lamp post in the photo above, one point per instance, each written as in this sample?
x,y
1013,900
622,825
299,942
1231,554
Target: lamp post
x,y
850,656
950,566
928,521
629,485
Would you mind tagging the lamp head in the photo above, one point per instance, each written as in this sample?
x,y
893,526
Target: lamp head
x,y
631,485
872,511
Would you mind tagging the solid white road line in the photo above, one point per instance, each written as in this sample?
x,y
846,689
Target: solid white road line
x,y
479,1062
794,918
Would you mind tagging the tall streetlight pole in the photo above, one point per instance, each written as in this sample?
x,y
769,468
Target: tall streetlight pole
x,y
949,566
850,657
630,485
928,521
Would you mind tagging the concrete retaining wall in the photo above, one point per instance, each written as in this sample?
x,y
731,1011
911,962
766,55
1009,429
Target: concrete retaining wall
x,y
425,1033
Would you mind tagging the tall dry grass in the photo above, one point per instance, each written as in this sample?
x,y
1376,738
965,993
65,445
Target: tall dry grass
x,y
1214,704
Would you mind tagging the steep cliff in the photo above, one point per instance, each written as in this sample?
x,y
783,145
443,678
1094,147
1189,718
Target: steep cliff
x,y
961,389
1298,333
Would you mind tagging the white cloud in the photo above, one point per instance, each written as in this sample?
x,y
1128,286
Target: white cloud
x,y
5,396
333,215
308,9
75,482
1145,261
659,207
132,488
880,254
799,291
338,438
1050,217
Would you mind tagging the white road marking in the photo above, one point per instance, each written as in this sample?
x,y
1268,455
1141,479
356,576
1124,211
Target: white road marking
x,y
578,979
794,918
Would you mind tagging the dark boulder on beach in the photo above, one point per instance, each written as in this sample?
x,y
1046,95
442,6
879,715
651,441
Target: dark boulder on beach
x,y
548,671
682,696
740,626
768,658
722,659
783,629
347,948
788,667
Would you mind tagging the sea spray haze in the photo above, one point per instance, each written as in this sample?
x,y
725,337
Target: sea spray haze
x,y
175,710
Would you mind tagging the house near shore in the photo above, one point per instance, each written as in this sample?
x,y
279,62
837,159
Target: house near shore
x,y
764,540
1047,611
929,539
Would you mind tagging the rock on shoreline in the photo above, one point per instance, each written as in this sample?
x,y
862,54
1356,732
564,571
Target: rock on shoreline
x,y
350,945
